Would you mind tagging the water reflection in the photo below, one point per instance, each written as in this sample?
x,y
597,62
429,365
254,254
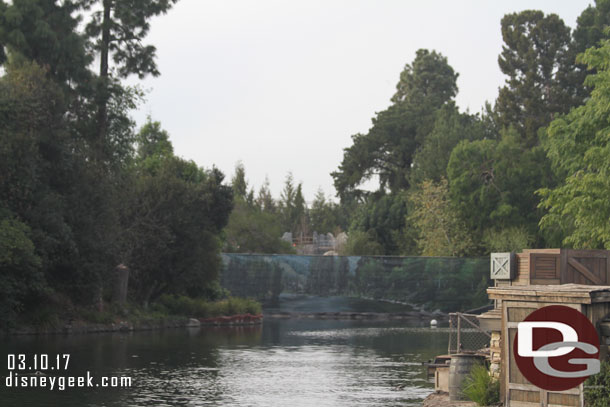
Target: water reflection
x,y
299,362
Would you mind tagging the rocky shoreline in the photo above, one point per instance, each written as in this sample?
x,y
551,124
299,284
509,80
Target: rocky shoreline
x,y
84,327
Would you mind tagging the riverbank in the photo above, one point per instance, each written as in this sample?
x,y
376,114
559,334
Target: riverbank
x,y
409,316
169,311
141,324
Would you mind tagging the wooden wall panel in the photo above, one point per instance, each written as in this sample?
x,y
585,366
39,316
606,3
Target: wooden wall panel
x,y
523,395
518,314
515,375
523,269
590,267
569,400
545,268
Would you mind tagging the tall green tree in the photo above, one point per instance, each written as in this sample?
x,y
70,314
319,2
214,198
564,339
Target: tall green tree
x,y
590,26
264,200
174,217
116,30
326,216
239,183
292,207
39,168
153,141
450,127
387,150
301,222
589,31
45,31
578,146
493,183
536,58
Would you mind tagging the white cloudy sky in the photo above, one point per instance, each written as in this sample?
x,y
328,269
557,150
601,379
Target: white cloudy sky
x,y
282,85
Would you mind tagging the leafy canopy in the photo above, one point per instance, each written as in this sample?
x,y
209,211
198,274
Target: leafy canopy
x,y
578,146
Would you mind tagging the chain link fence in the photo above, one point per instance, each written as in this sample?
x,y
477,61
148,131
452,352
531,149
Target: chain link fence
x,y
465,334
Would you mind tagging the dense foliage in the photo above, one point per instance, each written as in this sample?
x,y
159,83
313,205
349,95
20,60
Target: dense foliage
x,y
528,171
578,146
81,192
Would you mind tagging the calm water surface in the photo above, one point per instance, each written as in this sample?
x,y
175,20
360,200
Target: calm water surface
x,y
298,362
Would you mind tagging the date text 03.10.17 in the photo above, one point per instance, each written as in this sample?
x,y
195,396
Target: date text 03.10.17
x,y
37,362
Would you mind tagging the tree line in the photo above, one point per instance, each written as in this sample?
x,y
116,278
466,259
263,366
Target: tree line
x,y
529,170
83,191
466,184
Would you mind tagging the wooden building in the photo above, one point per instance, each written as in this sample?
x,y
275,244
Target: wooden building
x,y
546,266
526,281
517,303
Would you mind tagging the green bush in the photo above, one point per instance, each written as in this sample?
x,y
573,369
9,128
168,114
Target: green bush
x,y
597,388
97,317
480,387
197,307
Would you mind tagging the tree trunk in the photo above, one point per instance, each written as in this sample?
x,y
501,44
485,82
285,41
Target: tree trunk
x,y
103,95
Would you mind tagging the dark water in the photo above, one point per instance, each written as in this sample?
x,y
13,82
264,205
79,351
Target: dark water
x,y
299,362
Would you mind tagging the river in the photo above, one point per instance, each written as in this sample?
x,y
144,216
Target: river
x,y
284,362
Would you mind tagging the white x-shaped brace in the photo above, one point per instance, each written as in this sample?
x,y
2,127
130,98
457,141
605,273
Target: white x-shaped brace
x,y
501,266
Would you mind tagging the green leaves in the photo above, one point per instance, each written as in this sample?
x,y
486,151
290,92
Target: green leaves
x,y
579,149
387,149
536,58
20,265
173,221
493,184
127,23
45,32
441,231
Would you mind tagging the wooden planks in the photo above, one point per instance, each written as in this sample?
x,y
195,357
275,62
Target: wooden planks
x,y
582,269
523,269
564,293
585,266
562,266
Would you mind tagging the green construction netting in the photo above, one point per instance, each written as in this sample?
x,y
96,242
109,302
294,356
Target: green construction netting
x,y
446,283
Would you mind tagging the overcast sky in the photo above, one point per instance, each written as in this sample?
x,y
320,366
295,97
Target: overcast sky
x,y
282,85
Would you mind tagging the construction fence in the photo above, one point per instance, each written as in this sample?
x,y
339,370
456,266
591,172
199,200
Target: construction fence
x,y
445,283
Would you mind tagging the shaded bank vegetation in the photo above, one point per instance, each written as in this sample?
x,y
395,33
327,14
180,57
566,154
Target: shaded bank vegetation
x,y
83,191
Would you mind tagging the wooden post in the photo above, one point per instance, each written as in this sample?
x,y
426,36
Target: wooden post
x,y
450,334
122,279
459,328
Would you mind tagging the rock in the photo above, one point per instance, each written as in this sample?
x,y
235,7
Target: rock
x,y
193,323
